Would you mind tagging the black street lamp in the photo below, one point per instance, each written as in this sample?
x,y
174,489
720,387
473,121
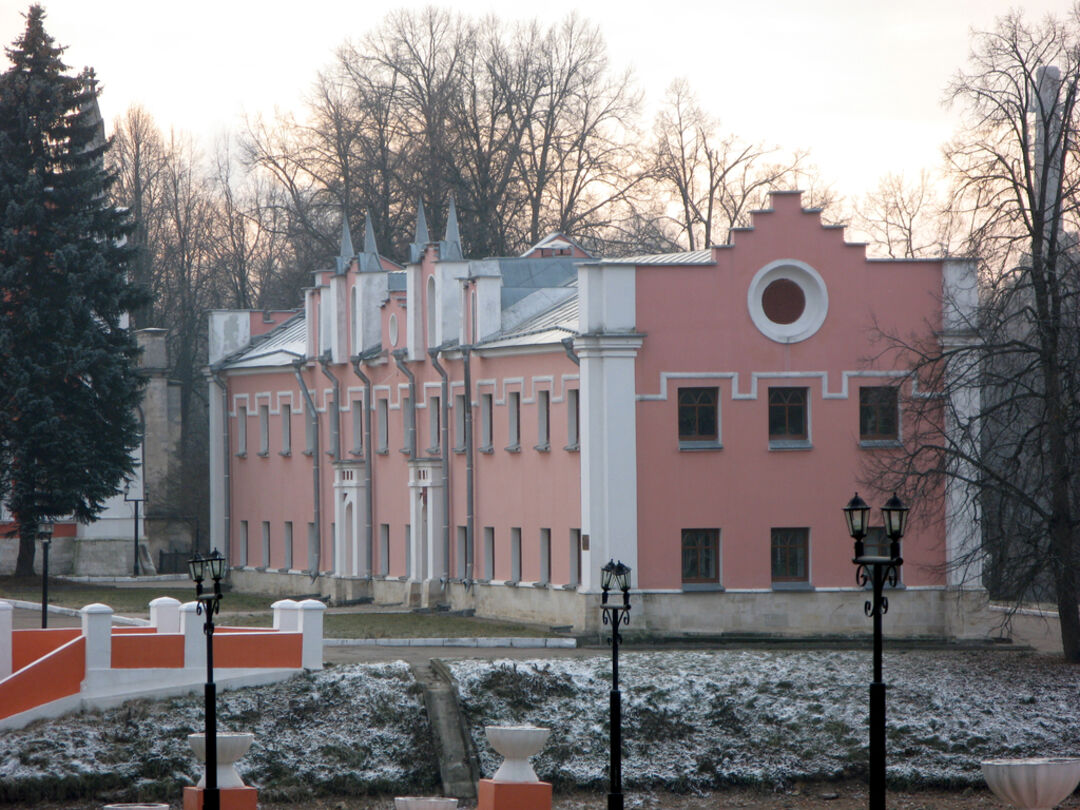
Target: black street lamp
x,y
877,571
199,568
617,574
45,532
129,498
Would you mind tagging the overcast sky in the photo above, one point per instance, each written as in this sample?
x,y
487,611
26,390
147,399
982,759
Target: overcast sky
x,y
857,82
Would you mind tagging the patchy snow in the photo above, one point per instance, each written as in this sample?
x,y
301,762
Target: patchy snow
x,y
697,720
691,721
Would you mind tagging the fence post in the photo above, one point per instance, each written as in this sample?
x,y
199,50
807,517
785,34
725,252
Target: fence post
x,y
6,613
165,614
191,625
97,629
311,625
286,615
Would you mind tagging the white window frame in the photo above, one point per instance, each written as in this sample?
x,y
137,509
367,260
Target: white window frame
x,y
264,430
513,411
286,430
543,421
459,423
515,554
489,553
241,430
487,403
573,419
545,556
288,535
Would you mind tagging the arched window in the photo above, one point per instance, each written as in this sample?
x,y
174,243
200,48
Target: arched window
x,y
357,334
430,306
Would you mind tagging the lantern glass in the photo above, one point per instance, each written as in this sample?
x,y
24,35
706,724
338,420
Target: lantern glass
x,y
197,568
45,530
895,514
217,565
606,575
857,515
622,576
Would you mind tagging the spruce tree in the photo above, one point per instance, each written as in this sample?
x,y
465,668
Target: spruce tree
x,y
69,386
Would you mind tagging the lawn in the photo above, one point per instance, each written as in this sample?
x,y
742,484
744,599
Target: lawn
x,y
368,624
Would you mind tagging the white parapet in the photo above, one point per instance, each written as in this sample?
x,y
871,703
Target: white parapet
x,y
165,614
311,625
97,629
191,625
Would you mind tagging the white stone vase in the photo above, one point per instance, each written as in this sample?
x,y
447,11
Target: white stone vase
x,y
230,747
516,744
424,803
1039,783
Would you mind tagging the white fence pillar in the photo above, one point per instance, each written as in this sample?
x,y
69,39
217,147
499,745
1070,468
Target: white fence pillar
x,y
286,615
311,625
191,625
165,614
97,629
6,612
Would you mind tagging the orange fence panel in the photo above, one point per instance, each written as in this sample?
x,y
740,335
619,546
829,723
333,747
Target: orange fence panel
x,y
266,649
133,630
59,674
28,646
140,651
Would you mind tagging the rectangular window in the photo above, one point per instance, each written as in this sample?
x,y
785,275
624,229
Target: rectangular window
x,y
515,554
312,546
288,545
459,421
264,430
699,422
878,414
407,422
489,552
241,431
543,420
310,426
545,556
701,556
460,550
384,549
286,430
573,415
243,543
513,407
789,415
266,544
790,555
485,422
382,417
358,426
434,423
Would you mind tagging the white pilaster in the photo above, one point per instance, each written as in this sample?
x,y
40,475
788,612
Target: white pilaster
x,y
165,614
6,613
414,312
97,629
311,625
217,464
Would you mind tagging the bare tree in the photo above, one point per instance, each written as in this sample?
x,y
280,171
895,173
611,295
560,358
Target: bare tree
x,y
906,219
1006,422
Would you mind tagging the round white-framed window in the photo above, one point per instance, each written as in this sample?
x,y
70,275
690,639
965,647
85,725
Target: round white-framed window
x,y
788,300
392,328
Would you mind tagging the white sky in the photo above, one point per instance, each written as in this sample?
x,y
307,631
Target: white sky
x,y
857,82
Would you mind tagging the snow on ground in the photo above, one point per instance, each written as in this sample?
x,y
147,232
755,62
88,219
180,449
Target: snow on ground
x,y
691,720
696,720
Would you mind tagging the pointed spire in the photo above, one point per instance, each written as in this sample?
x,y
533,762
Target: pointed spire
x,y
369,260
450,247
347,252
416,250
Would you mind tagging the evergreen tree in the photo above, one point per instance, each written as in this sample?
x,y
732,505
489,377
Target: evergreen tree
x,y
69,387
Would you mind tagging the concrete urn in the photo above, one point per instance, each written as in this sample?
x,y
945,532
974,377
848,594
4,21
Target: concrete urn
x,y
1039,783
231,746
516,744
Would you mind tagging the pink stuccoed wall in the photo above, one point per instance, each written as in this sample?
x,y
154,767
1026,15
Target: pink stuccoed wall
x,y
696,319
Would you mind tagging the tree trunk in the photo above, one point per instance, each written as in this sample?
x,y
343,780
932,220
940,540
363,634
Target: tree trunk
x,y
24,565
1068,614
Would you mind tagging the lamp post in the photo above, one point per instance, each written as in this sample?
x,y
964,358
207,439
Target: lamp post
x,y
135,500
617,574
876,571
199,567
45,532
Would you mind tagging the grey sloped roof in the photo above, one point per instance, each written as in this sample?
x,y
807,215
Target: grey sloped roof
x,y
550,325
279,347
522,277
686,257
396,282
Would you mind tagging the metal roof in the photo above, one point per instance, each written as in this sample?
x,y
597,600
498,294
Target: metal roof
x,y
279,347
546,327
686,257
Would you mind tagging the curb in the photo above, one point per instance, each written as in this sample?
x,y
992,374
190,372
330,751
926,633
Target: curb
x,y
63,611
520,642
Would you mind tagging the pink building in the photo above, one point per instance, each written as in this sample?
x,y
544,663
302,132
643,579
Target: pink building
x,y
488,433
